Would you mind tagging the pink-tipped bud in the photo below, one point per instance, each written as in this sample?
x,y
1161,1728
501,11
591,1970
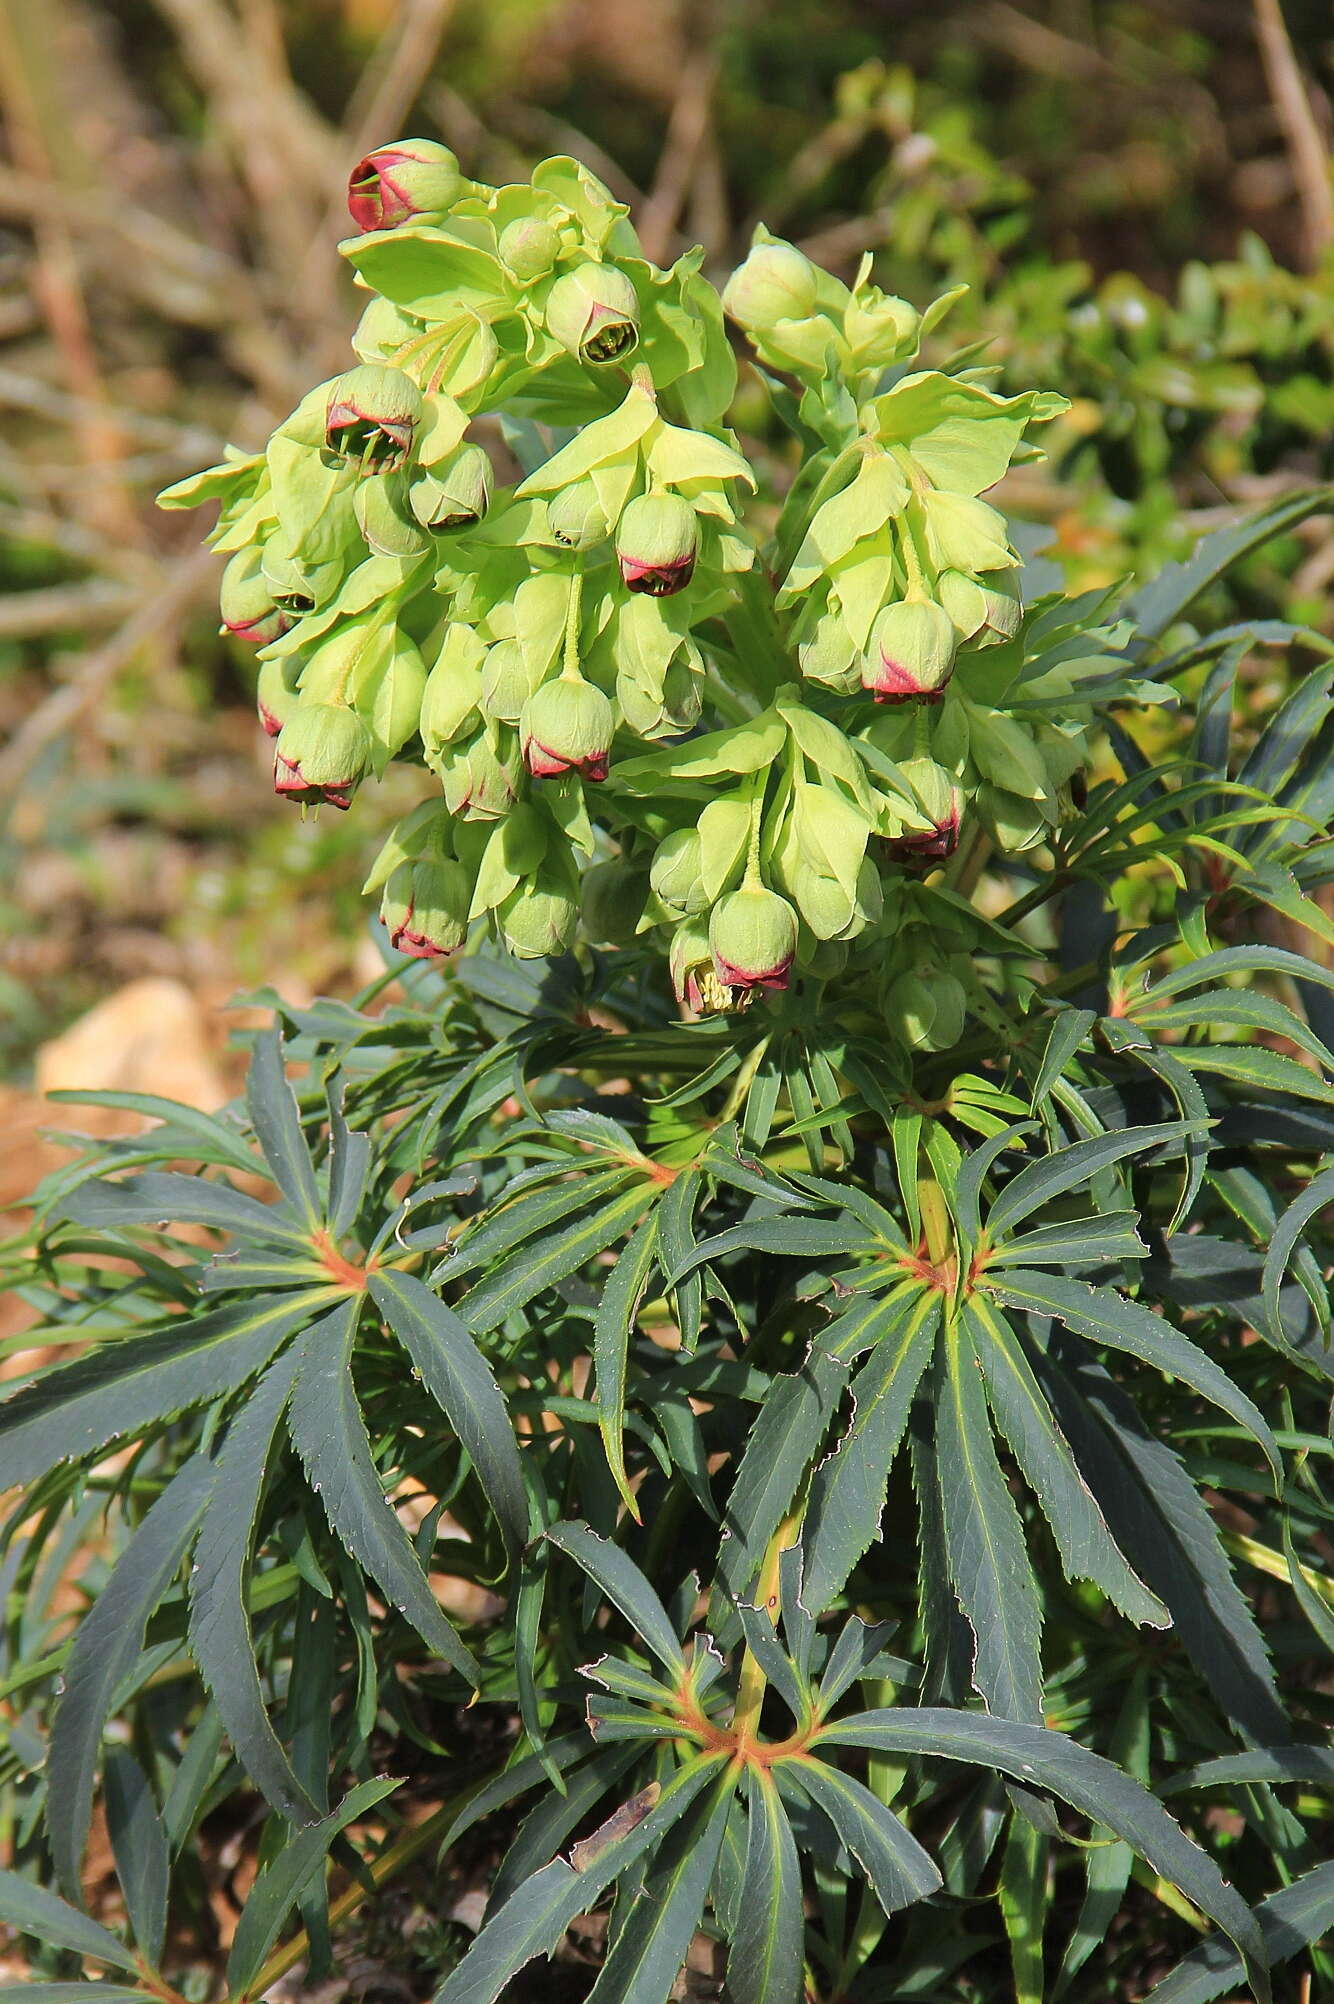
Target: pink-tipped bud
x,y
372,417
395,183
657,540
912,651
753,939
322,754
425,908
567,726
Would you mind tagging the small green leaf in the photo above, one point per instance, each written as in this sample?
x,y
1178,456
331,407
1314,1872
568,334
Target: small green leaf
x,y
139,1848
1072,1167
220,1633
898,1871
984,1541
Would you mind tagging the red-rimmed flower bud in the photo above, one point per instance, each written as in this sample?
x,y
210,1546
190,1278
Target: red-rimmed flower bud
x,y
576,518
409,177
276,694
246,601
322,754
753,939
657,540
693,978
425,908
567,726
594,313
940,797
911,656
776,282
528,247
372,417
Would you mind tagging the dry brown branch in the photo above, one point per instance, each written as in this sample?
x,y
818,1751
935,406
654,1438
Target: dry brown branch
x,y
30,98
1301,135
155,615
687,132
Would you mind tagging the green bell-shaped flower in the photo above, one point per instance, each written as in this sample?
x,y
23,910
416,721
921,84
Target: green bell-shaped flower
x,y
372,417
322,754
567,726
753,938
425,907
593,312
911,656
657,541
246,601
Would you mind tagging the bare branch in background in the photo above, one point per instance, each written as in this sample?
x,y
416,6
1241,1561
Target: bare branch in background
x,y
1301,135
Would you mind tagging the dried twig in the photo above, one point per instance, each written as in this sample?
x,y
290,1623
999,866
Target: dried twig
x,y
1301,135
687,131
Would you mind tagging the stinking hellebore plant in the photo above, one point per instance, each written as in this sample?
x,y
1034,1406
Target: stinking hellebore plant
x,y
827,1254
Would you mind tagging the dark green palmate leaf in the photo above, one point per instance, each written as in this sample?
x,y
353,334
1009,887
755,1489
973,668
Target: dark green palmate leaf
x,y
460,1381
1038,1757
220,1632
103,1654
765,1958
648,1951
330,1436
1290,1920
132,1385
533,1920
984,1539
34,1911
847,1493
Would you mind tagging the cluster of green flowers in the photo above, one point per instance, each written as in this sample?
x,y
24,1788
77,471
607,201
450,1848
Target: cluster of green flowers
x,y
828,708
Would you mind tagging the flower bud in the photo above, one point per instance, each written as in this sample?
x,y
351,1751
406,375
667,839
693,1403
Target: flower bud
x,y
753,939
372,416
911,656
538,919
775,283
939,796
425,908
410,177
576,518
322,754
479,781
246,601
657,539
276,692
507,682
455,495
528,248
567,726
675,874
926,1008
612,901
594,313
